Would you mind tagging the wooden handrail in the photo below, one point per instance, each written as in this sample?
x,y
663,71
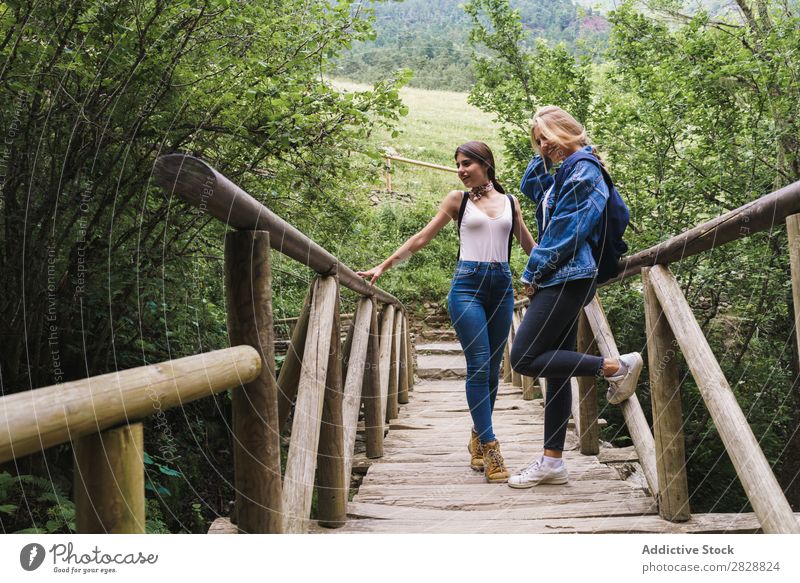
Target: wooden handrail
x,y
34,420
759,215
196,182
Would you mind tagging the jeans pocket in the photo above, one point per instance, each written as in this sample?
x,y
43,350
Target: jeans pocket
x,y
464,272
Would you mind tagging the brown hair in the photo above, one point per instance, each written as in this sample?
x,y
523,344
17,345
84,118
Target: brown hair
x,y
481,153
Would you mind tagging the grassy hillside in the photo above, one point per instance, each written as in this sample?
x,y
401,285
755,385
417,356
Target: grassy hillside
x,y
437,122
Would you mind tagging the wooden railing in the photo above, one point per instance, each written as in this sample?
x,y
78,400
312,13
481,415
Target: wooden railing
x,y
102,417
671,326
322,382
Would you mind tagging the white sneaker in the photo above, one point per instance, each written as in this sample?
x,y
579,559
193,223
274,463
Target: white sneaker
x,y
621,387
538,473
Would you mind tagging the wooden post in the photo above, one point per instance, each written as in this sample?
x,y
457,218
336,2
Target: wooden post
x,y
355,382
387,331
516,378
373,412
256,436
402,390
793,233
392,407
575,408
109,481
665,395
632,411
332,482
289,376
388,174
347,348
791,449
529,391
755,472
298,481
506,370
409,354
586,424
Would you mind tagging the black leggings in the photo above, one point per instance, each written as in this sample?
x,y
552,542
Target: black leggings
x,y
545,347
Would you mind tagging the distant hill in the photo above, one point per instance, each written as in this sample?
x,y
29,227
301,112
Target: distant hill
x,y
714,7
430,38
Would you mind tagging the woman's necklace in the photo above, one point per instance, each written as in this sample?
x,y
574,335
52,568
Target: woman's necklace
x,y
478,191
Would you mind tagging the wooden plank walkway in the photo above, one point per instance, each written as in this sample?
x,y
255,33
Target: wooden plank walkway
x,y
424,484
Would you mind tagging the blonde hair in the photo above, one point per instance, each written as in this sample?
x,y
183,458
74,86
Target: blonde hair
x,y
558,126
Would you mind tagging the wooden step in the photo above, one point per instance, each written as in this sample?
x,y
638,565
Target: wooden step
x,y
439,348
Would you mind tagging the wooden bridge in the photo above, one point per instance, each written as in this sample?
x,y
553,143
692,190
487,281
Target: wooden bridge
x,y
357,406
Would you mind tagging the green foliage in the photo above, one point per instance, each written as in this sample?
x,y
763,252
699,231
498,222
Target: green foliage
x,y
430,37
33,505
99,269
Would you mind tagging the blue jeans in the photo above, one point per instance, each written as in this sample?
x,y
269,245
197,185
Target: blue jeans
x,y
481,305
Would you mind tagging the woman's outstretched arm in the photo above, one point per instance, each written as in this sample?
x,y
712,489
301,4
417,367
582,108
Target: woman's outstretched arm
x,y
521,231
448,211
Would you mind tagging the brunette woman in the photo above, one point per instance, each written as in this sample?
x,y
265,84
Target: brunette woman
x,y
481,299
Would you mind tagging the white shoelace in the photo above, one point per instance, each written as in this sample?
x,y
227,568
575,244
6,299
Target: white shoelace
x,y
527,472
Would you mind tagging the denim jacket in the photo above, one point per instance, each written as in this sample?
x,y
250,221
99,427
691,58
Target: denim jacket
x,y
573,216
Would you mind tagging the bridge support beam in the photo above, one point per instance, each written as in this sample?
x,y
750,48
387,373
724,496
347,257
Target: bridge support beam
x,y
632,411
402,389
665,396
256,429
332,482
392,403
586,423
298,482
371,394
109,481
387,332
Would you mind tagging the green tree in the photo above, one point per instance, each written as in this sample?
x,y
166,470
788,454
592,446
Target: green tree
x,y
430,37
99,270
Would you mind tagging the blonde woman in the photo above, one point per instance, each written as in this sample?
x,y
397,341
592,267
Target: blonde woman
x,y
560,279
481,299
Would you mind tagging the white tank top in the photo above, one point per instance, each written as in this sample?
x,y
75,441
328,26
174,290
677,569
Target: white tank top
x,y
484,238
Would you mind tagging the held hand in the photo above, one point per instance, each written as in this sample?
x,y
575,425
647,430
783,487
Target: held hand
x,y
530,290
373,273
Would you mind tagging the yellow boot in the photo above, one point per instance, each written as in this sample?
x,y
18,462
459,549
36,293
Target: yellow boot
x,y
494,467
475,452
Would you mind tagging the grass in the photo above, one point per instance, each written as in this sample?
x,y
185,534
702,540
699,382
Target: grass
x,y
436,124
